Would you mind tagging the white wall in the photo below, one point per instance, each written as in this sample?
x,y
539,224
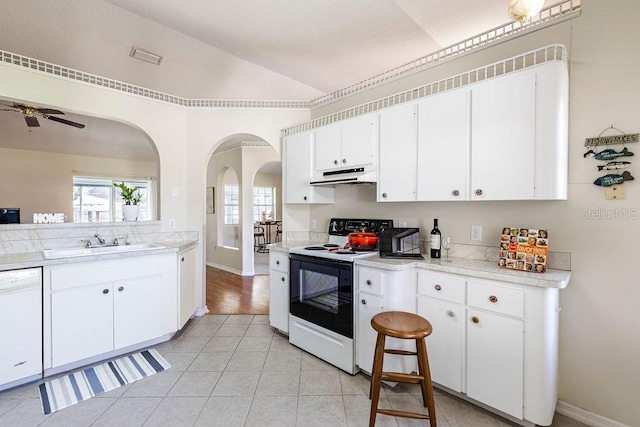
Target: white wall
x,y
599,339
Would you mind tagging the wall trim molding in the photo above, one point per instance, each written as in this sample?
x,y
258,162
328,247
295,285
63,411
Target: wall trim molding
x,y
584,416
551,15
225,268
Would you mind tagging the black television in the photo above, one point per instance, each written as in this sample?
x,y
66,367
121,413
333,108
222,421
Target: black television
x,y
9,216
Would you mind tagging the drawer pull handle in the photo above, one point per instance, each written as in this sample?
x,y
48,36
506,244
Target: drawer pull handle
x,y
364,302
493,299
369,282
105,291
437,287
475,319
282,279
451,313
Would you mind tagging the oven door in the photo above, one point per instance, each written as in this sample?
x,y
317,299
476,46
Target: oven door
x,y
321,292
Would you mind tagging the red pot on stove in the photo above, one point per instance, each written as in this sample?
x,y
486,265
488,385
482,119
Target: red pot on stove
x,y
363,240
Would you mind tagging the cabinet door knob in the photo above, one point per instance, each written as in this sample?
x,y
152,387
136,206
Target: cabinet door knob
x,y
335,162
182,259
475,319
305,197
455,193
282,279
493,299
278,262
121,288
344,161
384,195
437,287
364,302
451,313
368,282
478,192
105,291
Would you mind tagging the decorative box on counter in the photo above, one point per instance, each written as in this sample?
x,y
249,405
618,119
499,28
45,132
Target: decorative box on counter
x,y
524,249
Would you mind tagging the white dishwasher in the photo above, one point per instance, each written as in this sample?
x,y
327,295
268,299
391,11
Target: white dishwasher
x,y
20,326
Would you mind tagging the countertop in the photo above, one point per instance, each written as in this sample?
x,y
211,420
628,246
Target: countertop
x,y
35,259
468,267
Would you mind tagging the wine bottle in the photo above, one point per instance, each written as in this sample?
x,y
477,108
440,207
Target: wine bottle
x,y
435,243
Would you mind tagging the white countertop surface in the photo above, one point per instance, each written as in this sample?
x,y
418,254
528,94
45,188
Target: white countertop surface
x,y
35,259
468,267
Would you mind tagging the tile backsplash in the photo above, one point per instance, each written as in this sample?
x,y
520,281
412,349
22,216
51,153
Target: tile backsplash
x,y
23,238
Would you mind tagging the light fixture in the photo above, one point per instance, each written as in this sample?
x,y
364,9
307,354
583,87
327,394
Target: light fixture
x,y
523,10
142,55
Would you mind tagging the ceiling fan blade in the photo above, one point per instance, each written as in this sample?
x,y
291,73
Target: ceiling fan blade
x,y
32,122
48,111
64,121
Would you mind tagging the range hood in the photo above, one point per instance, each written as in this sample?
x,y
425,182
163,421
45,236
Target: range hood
x,y
345,176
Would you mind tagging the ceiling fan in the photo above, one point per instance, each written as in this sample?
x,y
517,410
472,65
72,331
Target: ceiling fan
x,y
31,115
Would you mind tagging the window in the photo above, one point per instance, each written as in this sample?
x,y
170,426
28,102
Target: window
x,y
263,202
97,200
231,205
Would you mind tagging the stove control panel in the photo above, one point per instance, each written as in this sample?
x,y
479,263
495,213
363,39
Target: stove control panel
x,y
345,226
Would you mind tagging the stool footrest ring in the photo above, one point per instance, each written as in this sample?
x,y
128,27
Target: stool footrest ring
x,y
402,377
400,352
403,414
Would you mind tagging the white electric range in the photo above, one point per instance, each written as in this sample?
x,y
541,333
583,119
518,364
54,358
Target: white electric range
x,y
322,294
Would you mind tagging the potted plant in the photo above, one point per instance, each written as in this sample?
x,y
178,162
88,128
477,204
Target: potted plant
x,y
131,197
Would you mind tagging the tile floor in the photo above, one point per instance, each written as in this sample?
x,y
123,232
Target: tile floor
x,y
236,371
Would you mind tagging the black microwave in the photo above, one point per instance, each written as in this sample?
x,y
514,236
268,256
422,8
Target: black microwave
x,y
400,243
9,216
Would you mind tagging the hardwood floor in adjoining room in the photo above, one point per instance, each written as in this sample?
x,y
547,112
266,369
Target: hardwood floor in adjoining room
x,y
228,293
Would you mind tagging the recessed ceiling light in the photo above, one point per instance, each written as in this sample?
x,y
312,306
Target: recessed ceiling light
x,y
145,56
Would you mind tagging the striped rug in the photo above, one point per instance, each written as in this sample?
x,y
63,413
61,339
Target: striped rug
x,y
72,388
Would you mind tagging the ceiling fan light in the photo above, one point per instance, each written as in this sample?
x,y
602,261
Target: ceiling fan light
x,y
145,56
523,10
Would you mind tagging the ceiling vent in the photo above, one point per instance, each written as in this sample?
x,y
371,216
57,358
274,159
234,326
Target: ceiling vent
x,y
142,55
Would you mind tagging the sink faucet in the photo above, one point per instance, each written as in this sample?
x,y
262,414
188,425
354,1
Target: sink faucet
x,y
121,240
100,239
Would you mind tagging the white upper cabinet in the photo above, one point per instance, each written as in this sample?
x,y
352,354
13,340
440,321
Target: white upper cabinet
x,y
346,144
398,167
503,139
298,170
443,146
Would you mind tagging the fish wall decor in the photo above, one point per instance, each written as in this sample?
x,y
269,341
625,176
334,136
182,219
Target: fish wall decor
x,y
613,179
610,154
614,165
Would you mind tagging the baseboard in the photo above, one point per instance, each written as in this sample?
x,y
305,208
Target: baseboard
x,y
584,416
225,268
201,311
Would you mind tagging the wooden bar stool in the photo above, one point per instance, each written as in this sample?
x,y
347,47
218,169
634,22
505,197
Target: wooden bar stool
x,y
398,324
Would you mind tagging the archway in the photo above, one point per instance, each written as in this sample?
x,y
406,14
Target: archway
x,y
246,155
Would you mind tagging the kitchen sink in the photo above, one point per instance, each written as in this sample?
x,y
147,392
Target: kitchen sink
x,y
97,250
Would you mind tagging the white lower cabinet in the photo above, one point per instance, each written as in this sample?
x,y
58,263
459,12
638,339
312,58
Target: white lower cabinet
x,y
279,290
383,290
495,361
98,307
445,345
188,289
493,342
